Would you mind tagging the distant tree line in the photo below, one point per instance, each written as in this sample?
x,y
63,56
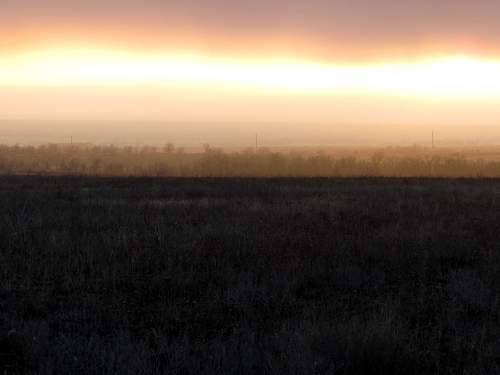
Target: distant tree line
x,y
211,162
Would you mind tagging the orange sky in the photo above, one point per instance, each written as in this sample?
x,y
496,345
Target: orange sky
x,y
335,29
383,61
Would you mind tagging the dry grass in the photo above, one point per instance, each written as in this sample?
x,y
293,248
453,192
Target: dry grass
x,y
249,276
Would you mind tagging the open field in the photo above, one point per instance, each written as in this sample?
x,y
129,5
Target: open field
x,y
249,276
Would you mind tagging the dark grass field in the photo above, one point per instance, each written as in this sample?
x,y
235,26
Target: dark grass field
x,y
249,276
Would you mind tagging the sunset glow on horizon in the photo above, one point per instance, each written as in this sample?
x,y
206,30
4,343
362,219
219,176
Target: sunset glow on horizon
x,y
455,76
342,61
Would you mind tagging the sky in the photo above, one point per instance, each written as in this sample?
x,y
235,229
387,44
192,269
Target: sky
x,y
335,29
302,61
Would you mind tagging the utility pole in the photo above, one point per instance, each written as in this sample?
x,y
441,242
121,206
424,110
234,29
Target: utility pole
x,y
256,143
432,161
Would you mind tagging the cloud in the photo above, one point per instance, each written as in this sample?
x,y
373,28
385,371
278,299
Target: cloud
x,y
336,29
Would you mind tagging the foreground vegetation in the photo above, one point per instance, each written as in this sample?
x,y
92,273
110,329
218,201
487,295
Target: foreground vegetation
x,y
169,161
249,276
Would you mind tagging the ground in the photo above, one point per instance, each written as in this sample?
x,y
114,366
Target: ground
x,y
249,276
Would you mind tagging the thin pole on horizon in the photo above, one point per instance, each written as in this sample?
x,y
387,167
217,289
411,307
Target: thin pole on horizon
x,y
431,164
256,143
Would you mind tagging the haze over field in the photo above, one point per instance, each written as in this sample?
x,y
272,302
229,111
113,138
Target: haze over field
x,y
340,71
241,135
